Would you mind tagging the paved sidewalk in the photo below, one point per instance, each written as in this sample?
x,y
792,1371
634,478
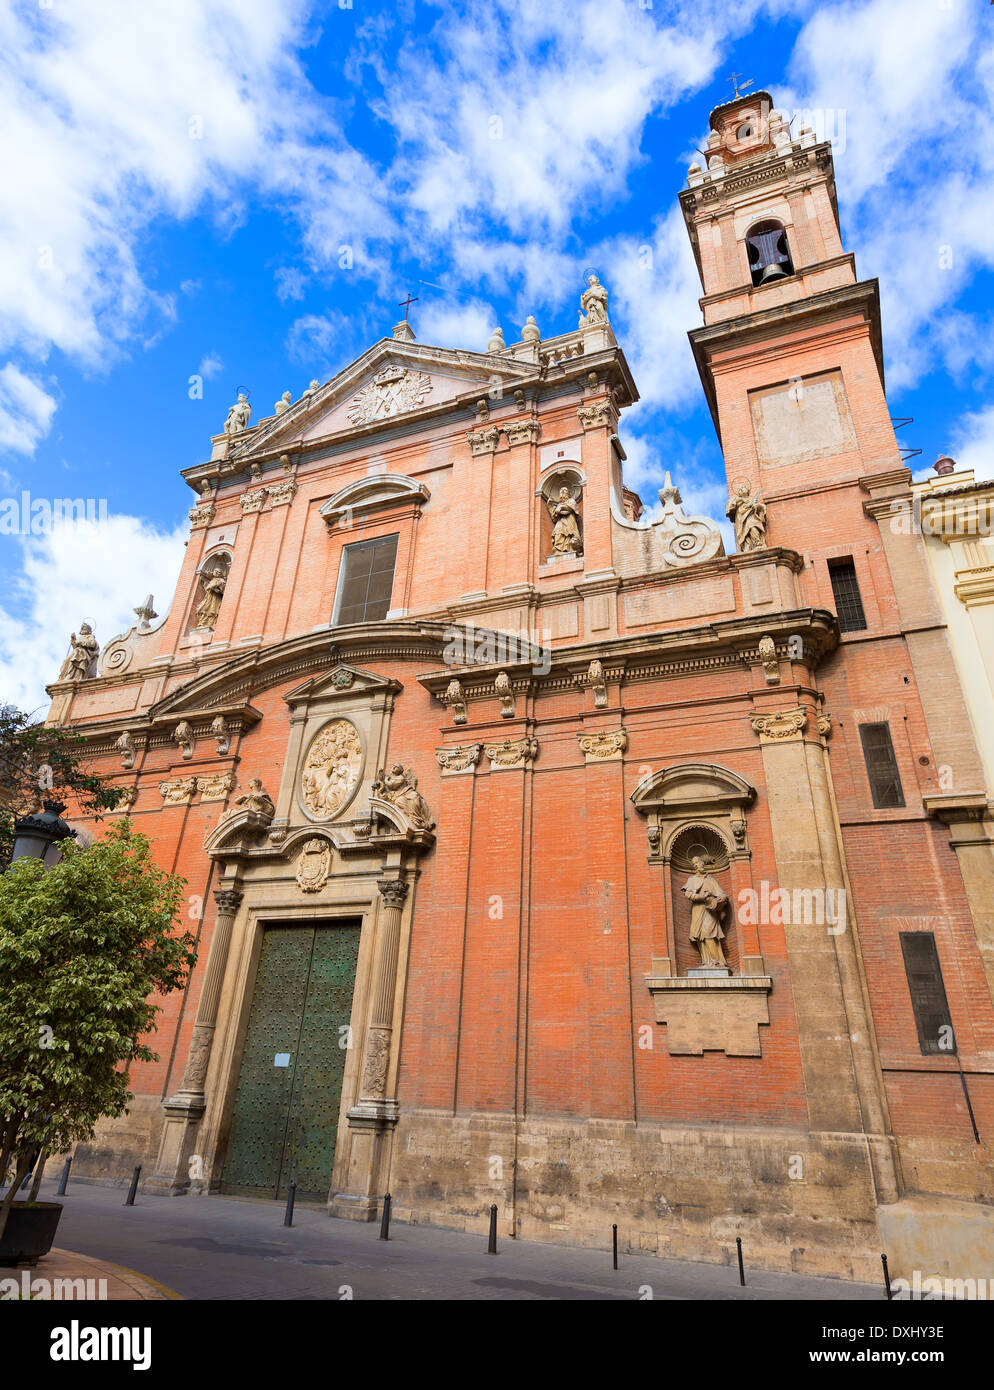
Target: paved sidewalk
x,y
231,1248
64,1275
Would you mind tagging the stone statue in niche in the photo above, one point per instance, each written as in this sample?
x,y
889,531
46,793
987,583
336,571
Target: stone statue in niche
x,y
748,515
565,514
400,788
239,415
593,302
84,651
709,901
209,607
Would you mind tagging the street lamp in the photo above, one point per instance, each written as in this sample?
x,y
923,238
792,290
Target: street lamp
x,y
39,836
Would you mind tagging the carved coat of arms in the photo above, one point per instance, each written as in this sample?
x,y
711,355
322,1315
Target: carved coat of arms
x,y
391,392
331,769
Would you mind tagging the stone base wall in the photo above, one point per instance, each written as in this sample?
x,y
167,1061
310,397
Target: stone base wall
x,y
675,1191
119,1146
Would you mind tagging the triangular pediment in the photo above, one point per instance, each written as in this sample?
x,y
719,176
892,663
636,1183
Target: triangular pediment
x,y
394,379
340,680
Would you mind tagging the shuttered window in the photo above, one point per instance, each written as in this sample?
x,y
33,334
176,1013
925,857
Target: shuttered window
x,y
928,993
848,600
881,765
366,582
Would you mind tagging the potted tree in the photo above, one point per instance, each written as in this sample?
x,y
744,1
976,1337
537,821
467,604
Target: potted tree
x,y
83,946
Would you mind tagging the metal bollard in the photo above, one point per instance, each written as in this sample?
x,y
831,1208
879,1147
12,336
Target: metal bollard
x,y
385,1219
614,1244
738,1247
134,1187
64,1180
291,1194
492,1244
883,1261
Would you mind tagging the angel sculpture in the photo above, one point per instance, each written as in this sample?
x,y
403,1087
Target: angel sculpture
x,y
399,786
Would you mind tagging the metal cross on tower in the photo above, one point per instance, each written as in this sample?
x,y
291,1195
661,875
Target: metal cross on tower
x,y
405,304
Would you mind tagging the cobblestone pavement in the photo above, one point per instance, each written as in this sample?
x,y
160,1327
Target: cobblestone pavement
x,y
227,1248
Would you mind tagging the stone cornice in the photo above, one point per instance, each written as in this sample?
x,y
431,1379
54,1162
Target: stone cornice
x,y
861,298
728,645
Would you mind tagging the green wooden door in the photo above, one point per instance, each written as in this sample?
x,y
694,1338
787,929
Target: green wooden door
x,y
289,1093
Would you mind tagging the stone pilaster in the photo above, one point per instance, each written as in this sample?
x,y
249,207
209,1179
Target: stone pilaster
x,y
375,1113
185,1109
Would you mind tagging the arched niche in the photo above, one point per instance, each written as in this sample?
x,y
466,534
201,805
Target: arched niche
x,y
563,474
212,579
690,809
768,252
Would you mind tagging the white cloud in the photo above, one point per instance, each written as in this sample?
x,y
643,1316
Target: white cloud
x,y
26,411
454,324
210,366
113,116
290,283
60,586
908,85
972,443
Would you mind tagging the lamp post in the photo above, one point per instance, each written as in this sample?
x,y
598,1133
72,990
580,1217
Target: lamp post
x,y
39,836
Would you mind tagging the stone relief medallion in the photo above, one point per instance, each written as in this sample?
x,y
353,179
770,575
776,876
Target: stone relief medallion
x,y
391,392
313,866
331,770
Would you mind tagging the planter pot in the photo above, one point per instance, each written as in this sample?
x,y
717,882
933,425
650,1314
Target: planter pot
x,y
30,1232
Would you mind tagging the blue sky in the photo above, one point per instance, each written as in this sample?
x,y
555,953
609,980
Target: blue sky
x,y
244,191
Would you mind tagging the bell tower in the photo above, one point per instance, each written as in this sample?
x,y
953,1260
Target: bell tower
x,y
790,352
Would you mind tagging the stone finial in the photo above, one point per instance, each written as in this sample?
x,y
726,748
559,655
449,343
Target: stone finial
x,y
283,404
944,466
145,613
530,333
496,343
312,387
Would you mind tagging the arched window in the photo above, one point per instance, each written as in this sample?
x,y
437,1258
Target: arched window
x,y
769,254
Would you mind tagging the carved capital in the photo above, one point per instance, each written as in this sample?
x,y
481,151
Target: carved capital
x,y
459,759
281,494
228,900
176,792
512,753
202,516
483,441
603,746
216,786
522,432
781,726
253,501
593,417
393,891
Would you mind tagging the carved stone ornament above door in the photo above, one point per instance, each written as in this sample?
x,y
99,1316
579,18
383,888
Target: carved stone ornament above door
x,y
332,770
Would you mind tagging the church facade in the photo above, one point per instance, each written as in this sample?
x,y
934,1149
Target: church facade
x,y
542,854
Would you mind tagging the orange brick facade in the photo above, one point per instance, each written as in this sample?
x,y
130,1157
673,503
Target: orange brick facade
x,y
526,1027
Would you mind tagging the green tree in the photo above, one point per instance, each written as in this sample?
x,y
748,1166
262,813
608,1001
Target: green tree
x,y
41,763
83,948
